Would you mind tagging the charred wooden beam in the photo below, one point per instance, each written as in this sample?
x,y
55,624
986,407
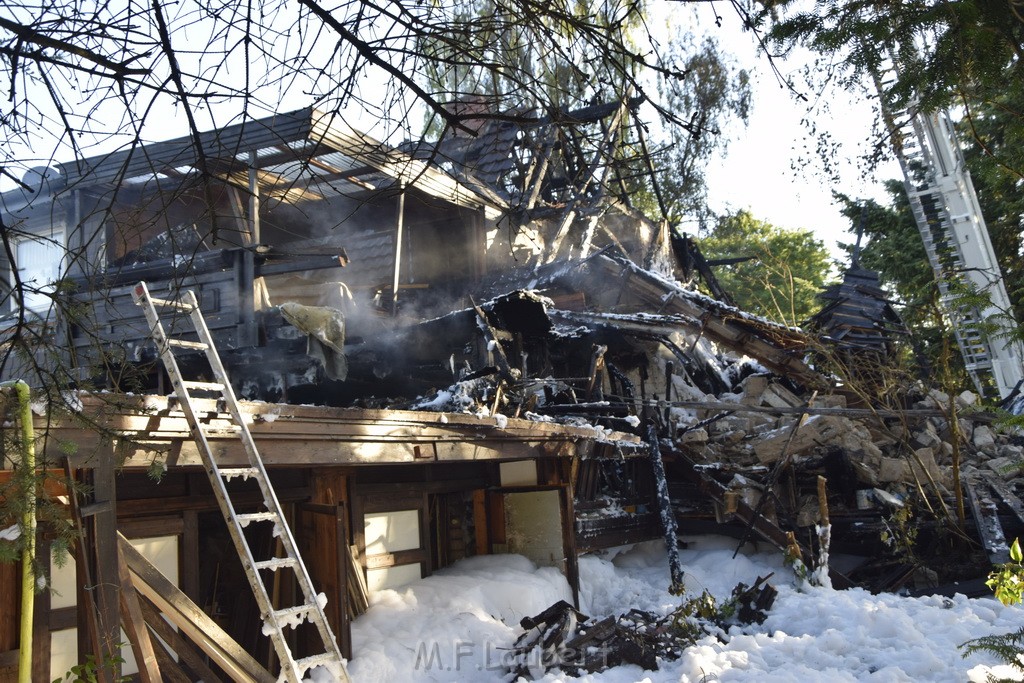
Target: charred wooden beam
x,y
668,517
596,368
777,347
493,344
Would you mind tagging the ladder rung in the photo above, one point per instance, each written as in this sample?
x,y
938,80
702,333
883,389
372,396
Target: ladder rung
x,y
307,663
203,386
233,430
244,519
167,303
276,563
185,344
293,616
243,472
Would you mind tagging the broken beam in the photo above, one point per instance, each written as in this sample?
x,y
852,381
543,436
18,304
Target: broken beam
x,y
668,517
986,518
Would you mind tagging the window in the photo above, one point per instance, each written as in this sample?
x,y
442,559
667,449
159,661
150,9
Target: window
x,y
39,262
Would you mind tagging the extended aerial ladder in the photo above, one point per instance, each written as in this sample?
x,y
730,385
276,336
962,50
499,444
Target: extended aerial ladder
x,y
946,210
275,619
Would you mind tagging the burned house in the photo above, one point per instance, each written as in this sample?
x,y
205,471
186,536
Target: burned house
x,y
469,347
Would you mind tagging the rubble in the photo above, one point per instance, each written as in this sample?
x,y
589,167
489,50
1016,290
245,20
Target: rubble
x,y
752,441
564,639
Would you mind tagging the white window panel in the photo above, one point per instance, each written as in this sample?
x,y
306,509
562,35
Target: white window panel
x,y
393,577
390,532
63,652
39,263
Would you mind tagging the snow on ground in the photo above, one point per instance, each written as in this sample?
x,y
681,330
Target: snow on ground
x,y
457,624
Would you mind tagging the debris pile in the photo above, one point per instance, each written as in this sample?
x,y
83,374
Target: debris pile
x,y
892,476
744,426
563,638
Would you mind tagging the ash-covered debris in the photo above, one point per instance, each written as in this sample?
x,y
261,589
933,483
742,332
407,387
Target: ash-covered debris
x,y
744,436
564,639
897,481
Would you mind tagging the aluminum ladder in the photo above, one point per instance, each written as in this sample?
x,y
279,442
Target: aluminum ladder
x,y
949,219
275,620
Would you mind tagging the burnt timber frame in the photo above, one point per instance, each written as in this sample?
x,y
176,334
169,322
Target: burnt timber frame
x,y
119,436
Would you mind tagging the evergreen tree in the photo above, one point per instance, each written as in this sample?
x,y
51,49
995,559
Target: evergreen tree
x,y
947,54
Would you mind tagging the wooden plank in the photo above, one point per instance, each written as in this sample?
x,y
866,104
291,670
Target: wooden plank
x,y
195,504
413,489
398,557
63,618
344,561
572,567
303,435
357,584
328,558
135,626
426,431
188,653
89,636
9,664
427,566
170,668
480,527
186,615
117,411
145,527
496,517
189,577
104,549
300,451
